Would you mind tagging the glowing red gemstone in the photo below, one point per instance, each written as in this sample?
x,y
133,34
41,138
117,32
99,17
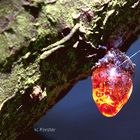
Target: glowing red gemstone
x,y
111,83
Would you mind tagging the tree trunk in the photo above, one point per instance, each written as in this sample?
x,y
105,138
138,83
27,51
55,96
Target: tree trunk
x,y
46,46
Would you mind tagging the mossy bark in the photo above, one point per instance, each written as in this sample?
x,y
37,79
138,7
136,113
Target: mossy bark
x,y
50,45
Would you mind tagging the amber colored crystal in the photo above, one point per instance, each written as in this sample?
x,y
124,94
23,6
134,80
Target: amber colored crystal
x,y
112,88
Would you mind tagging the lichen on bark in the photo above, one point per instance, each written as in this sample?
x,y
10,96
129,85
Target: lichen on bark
x,y
29,28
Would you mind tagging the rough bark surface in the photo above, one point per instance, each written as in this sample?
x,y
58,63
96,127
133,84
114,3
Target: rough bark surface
x,y
46,46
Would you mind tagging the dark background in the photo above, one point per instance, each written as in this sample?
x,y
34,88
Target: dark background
x,y
76,116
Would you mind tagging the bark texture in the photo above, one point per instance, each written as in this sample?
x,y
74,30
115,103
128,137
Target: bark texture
x,y
46,46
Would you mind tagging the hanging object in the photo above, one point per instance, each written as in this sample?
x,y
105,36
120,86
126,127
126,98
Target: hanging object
x,y
112,82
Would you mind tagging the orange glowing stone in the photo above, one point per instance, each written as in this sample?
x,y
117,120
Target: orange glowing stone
x,y
112,82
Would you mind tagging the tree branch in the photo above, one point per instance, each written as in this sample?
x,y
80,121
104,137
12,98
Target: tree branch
x,y
34,77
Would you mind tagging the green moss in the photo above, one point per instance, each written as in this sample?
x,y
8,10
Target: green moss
x,y
24,25
45,27
6,8
54,14
4,51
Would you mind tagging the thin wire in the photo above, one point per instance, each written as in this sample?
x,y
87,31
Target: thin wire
x,y
134,54
129,57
